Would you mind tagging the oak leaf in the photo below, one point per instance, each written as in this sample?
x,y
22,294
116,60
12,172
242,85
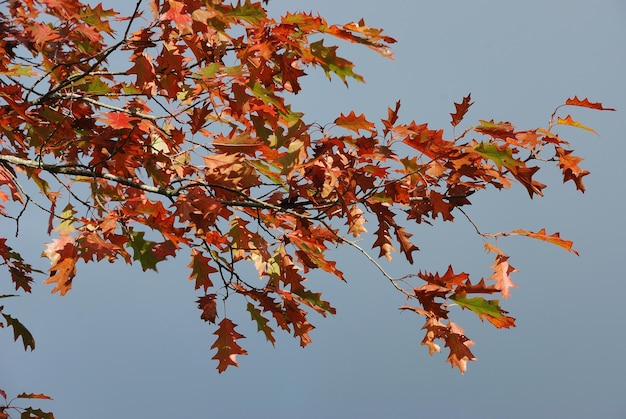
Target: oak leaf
x,y
568,120
485,309
208,305
226,345
354,123
586,104
461,109
20,331
459,346
550,238
502,275
569,166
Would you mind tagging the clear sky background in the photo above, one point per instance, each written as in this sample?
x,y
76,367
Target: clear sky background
x,y
128,344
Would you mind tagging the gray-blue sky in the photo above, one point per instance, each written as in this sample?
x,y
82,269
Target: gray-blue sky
x,y
124,343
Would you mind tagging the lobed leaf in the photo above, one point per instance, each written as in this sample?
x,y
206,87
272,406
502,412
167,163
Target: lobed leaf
x,y
20,331
550,238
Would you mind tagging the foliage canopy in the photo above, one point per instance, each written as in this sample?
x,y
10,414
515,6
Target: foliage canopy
x,y
169,132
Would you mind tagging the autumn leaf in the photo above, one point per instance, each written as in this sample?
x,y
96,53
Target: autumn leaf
x,y
118,120
586,104
201,270
550,238
485,309
208,305
354,123
495,129
226,345
569,166
461,109
8,177
176,14
501,155
33,396
459,346
502,275
569,121
356,221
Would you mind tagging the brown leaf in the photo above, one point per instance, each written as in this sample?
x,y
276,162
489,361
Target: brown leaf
x,y
208,305
461,109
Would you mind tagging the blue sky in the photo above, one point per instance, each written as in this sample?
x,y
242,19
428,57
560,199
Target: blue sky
x,y
124,343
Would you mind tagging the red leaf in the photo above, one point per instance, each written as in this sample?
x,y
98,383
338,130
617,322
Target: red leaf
x,y
226,345
585,103
461,109
392,118
7,177
118,120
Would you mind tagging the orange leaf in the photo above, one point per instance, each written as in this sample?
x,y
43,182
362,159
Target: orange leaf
x,y
461,109
585,103
62,255
354,123
62,274
554,238
569,121
118,120
226,345
33,396
569,166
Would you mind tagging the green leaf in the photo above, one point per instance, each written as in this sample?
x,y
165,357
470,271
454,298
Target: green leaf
x,y
314,300
483,308
30,413
501,157
143,251
19,70
19,330
328,60
208,71
249,12
97,87
265,169
261,323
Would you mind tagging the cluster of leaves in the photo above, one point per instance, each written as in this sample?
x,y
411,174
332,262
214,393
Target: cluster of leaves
x,y
7,407
172,134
